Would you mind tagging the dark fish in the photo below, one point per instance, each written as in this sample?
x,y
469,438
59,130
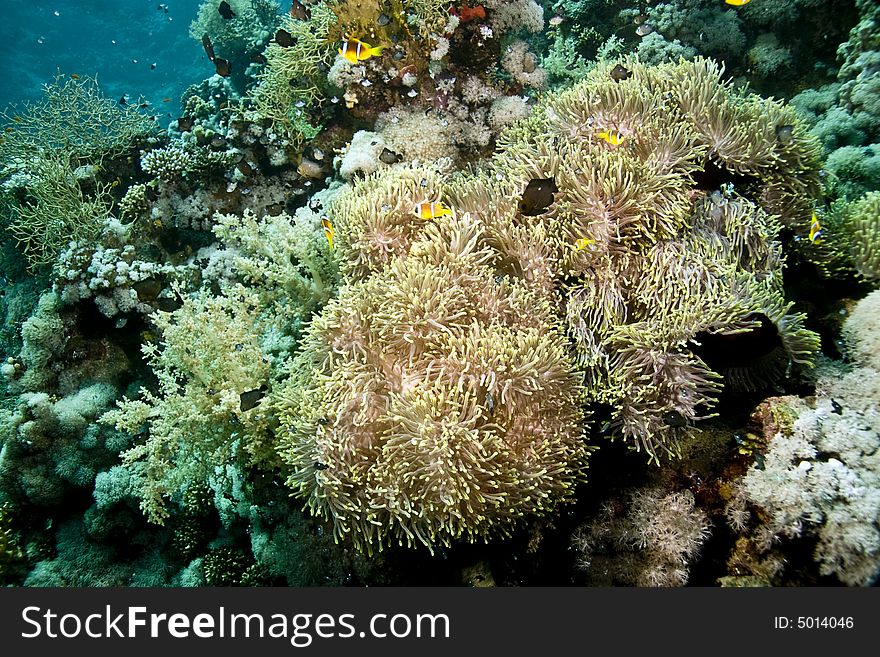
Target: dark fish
x,y
275,209
245,168
620,72
784,133
299,11
251,398
153,66
644,29
674,419
320,466
537,196
836,408
123,101
284,38
208,46
223,67
147,290
185,123
218,143
226,11
382,20
258,58
390,157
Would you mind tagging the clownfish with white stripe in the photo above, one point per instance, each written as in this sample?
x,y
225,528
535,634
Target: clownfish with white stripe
x,y
612,137
328,230
815,229
428,210
355,50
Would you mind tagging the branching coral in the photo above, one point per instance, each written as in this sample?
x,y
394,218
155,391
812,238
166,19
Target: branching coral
x,y
207,411
73,117
652,544
819,477
53,210
293,77
287,259
47,201
236,37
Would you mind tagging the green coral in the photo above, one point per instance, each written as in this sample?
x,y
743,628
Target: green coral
x,y
47,198
293,77
850,240
48,209
209,364
233,39
74,118
288,260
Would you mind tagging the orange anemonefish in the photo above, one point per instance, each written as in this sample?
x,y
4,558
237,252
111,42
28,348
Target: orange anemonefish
x,y
356,51
427,210
815,229
328,231
583,243
612,137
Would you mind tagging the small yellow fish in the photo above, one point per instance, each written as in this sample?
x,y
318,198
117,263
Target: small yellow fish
x,y
737,3
328,231
612,137
583,243
815,229
431,210
115,183
356,51
75,76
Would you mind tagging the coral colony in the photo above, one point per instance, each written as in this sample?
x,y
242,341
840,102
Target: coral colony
x,y
542,292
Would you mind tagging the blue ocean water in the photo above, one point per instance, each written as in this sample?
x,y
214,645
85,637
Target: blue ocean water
x,y
117,41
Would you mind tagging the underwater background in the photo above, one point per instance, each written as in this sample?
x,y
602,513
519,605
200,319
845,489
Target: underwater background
x,y
383,292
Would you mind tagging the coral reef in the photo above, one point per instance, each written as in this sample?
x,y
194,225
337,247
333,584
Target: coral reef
x,y
398,268
206,411
819,477
649,539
